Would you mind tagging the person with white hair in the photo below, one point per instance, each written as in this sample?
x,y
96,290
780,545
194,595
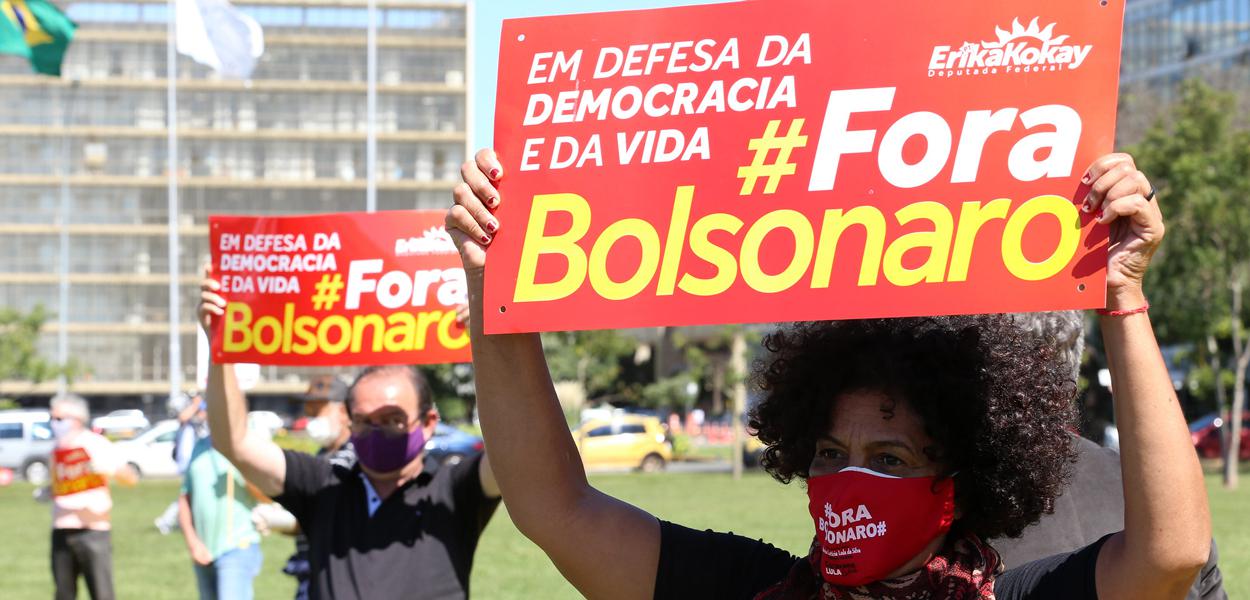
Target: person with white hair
x,y
82,463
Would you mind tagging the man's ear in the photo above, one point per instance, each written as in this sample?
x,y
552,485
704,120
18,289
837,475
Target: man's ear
x,y
432,418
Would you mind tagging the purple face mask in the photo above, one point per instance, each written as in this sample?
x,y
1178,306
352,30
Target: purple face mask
x,y
384,453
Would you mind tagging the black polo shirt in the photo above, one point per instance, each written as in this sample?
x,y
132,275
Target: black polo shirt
x,y
418,543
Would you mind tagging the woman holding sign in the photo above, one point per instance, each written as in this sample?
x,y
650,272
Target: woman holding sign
x,y
917,440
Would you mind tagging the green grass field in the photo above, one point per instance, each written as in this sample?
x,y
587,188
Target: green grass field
x,y
151,566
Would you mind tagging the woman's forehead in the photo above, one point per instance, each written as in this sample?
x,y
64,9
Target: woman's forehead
x,y
871,415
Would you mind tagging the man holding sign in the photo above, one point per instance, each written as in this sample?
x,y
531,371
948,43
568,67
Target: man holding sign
x,y
322,290
960,162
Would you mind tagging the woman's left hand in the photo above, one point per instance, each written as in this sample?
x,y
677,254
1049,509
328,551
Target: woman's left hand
x,y
1120,195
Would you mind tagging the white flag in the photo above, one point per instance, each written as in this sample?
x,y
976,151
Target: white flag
x,y
216,34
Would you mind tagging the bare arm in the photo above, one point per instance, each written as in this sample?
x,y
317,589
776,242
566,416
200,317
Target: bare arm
x,y
259,459
199,552
603,546
1167,524
486,477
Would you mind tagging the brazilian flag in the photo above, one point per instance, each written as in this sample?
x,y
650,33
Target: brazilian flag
x,y
36,30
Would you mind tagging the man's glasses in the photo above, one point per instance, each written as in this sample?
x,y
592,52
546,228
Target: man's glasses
x,y
396,425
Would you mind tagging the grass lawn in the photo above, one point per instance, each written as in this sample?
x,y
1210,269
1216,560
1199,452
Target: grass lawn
x,y
149,565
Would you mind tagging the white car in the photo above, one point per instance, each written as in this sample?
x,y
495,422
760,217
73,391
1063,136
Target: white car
x,y
266,421
151,453
121,422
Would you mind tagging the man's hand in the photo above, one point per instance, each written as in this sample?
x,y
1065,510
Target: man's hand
x,y
126,476
212,305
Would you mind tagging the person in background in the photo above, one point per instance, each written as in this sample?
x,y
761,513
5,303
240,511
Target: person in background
x,y
330,427
1092,504
391,526
82,463
192,426
215,515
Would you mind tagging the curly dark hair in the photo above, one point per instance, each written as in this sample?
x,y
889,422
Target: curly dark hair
x,y
998,402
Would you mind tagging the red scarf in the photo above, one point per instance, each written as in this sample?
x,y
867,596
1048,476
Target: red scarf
x,y
963,570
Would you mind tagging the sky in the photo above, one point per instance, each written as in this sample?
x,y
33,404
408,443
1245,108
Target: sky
x,y
486,22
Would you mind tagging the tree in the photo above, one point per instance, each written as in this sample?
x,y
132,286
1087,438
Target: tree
x,y
604,362
1199,163
19,347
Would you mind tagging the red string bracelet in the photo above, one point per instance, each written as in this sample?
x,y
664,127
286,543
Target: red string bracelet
x,y
1124,313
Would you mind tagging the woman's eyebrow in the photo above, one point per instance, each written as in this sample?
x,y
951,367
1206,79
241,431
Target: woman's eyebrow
x,y
892,444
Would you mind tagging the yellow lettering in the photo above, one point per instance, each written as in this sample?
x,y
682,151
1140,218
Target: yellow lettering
x,y
647,264
304,330
399,337
835,224
800,227
258,336
424,320
238,323
676,233
359,322
723,260
535,245
938,241
444,332
1069,238
971,217
288,316
323,334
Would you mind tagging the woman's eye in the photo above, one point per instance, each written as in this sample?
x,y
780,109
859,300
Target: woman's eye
x,y
828,453
890,460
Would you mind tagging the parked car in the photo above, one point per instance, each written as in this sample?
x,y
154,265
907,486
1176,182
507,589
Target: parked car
x,y
449,445
26,442
624,441
1207,430
151,453
266,419
121,423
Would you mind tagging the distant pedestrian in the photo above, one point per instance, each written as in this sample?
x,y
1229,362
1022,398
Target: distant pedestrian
x,y
82,463
215,514
330,427
192,426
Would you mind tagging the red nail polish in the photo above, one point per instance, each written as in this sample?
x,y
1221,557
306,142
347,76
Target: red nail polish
x,y
486,239
492,201
491,226
1085,178
494,173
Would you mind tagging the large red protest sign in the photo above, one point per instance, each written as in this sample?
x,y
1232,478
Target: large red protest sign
x,y
341,289
763,161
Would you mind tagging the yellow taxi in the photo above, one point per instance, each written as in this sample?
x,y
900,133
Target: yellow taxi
x,y
623,442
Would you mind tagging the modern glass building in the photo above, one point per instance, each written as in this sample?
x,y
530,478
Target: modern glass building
x,y
1168,41
291,140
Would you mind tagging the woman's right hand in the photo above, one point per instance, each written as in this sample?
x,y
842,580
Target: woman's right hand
x,y
471,221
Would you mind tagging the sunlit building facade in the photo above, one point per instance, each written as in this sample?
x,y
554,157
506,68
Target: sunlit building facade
x,y
292,140
1168,41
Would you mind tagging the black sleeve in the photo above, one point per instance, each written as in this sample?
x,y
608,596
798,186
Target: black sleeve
x,y
306,475
705,564
471,500
1210,582
1069,576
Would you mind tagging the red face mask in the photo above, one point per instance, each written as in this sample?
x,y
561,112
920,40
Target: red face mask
x,y
869,524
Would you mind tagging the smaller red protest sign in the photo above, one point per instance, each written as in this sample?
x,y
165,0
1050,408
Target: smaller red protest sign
x,y
71,472
339,289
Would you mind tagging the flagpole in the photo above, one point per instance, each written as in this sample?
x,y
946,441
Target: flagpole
x,y
62,318
171,118
371,102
